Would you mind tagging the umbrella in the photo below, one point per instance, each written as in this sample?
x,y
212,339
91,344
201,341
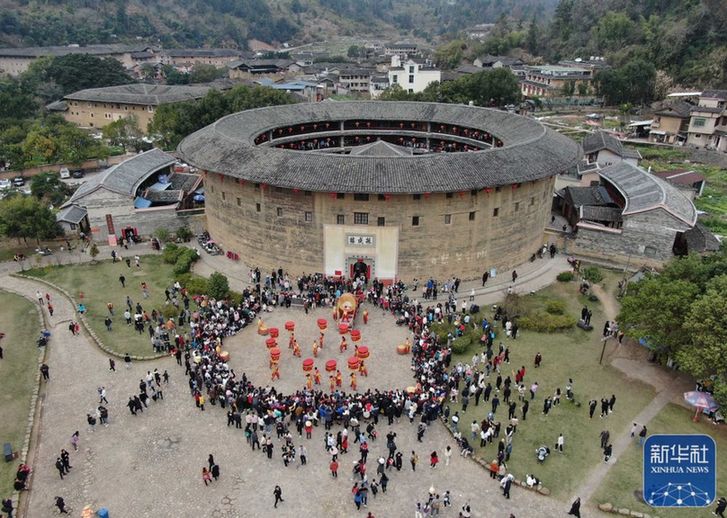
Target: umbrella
x,y
701,400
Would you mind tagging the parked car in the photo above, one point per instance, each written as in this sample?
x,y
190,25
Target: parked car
x,y
5,184
65,173
77,173
18,181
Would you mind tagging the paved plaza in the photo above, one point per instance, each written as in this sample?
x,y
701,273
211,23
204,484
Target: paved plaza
x,y
150,465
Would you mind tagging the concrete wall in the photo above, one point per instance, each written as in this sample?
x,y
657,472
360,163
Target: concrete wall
x,y
645,239
278,235
121,208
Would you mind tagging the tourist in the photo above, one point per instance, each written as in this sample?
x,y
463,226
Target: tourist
x,y
278,493
575,508
61,505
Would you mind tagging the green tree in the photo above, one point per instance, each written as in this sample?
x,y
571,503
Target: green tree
x,y
217,286
706,323
631,83
202,73
173,76
75,72
450,55
16,102
615,30
354,51
49,187
124,132
654,309
26,217
93,252
569,88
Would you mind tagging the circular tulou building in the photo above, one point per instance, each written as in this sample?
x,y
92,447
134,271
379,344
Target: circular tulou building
x,y
392,190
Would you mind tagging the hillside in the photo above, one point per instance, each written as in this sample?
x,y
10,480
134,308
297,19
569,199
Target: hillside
x,y
233,22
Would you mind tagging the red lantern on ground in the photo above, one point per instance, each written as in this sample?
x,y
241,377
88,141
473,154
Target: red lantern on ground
x,y
274,332
353,363
331,365
402,349
225,356
343,328
308,364
362,352
290,326
271,342
322,324
355,335
274,354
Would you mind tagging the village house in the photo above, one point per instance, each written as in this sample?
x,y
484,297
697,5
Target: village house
x,y
15,61
97,107
605,149
551,80
413,75
670,124
489,61
137,196
403,49
248,68
708,121
691,183
355,79
184,59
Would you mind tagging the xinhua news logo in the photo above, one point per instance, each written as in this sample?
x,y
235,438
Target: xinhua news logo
x,y
680,470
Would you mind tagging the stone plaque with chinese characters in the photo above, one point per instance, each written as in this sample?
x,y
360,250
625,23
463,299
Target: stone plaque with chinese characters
x,y
360,240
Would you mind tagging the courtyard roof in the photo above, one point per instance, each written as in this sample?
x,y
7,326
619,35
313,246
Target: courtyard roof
x,y
529,152
644,192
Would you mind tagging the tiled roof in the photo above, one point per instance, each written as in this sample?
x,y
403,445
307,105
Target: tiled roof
x,y
595,196
680,176
600,213
71,214
715,94
168,196
678,109
644,192
37,52
380,149
141,93
599,140
124,178
700,239
530,151
202,53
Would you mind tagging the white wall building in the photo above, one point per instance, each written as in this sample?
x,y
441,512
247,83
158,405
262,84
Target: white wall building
x,y
412,75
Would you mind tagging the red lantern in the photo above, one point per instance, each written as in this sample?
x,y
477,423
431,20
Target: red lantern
x,y
271,342
331,365
343,328
353,363
274,354
308,364
322,324
355,335
362,352
402,349
225,356
274,332
290,326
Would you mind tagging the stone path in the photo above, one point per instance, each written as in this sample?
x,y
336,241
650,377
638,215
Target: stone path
x,y
149,465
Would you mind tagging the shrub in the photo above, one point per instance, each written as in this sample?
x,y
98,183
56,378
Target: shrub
x,y
197,285
184,234
547,323
162,234
461,344
555,307
565,276
592,298
170,253
185,258
217,286
442,331
592,274
168,311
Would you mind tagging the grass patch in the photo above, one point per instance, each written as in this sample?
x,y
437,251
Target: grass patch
x,y
570,354
19,322
625,478
100,284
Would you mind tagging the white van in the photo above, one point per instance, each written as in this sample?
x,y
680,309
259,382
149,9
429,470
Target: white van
x,y
65,173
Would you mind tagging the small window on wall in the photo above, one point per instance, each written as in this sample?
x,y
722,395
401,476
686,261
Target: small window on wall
x,y
212,188
517,206
257,207
340,219
223,196
360,218
382,197
495,212
415,221
472,215
239,202
279,211
381,221
360,197
308,217
257,186
340,196
447,219
532,200
416,196
450,194
308,193
473,192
